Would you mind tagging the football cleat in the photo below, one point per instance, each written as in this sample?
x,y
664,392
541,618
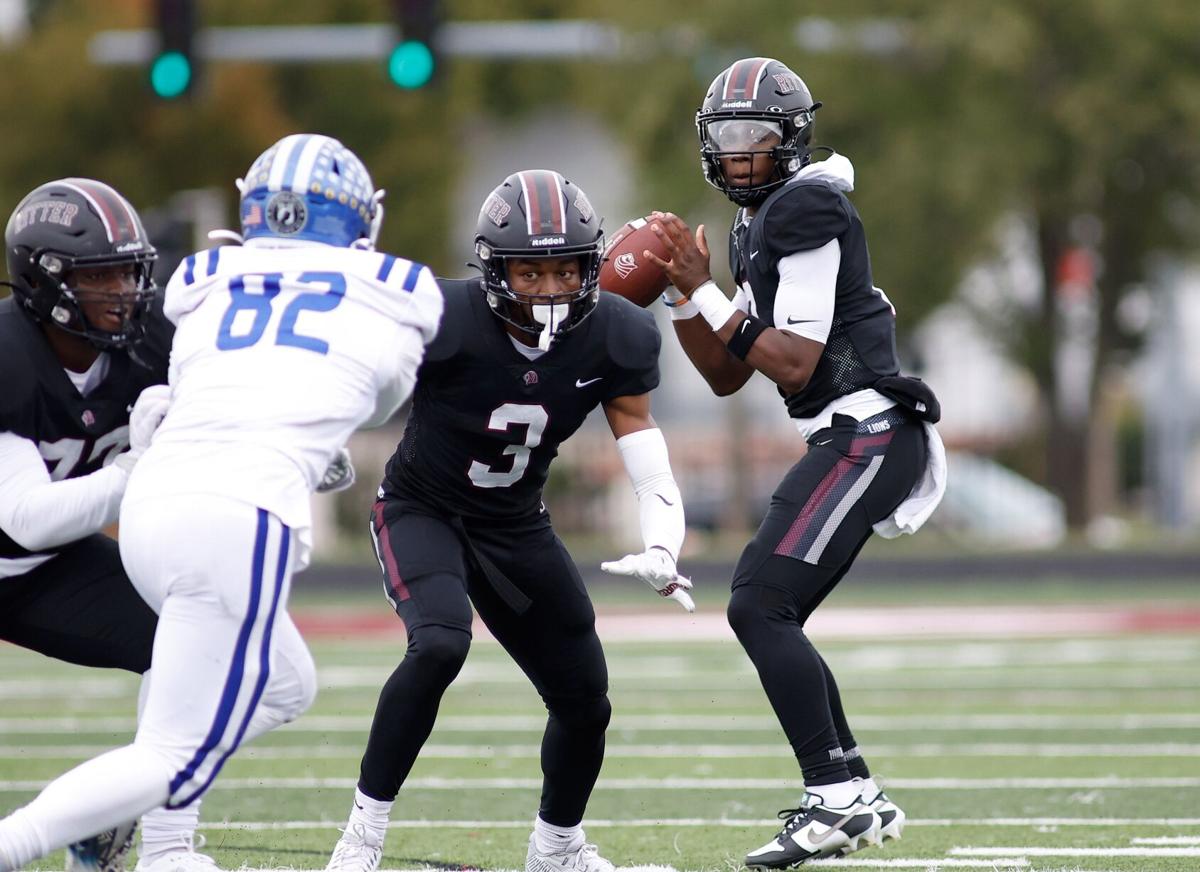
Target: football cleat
x,y
585,858
103,852
358,850
186,859
815,830
891,816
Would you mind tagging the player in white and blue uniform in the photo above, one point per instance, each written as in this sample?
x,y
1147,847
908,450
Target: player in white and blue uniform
x,y
283,347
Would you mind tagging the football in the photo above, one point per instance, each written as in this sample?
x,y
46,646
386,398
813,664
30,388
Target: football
x,y
626,271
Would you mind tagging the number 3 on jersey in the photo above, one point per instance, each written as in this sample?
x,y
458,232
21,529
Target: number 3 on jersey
x,y
260,306
502,418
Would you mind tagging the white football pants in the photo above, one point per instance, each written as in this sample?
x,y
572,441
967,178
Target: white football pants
x,y
228,665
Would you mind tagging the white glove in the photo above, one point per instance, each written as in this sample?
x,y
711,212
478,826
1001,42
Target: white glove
x,y
339,475
147,413
657,568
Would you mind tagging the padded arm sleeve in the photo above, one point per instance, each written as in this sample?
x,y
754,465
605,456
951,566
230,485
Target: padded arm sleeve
x,y
807,291
39,513
660,507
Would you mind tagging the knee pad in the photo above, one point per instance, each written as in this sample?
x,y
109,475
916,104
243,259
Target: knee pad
x,y
756,608
438,652
591,713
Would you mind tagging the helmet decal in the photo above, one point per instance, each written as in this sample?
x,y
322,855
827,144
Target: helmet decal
x,y
115,213
544,203
741,82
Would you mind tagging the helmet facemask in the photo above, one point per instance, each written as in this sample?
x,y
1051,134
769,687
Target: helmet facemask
x,y
543,318
52,270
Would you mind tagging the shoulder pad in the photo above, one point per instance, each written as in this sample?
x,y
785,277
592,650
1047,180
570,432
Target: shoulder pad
x,y
802,216
456,317
632,335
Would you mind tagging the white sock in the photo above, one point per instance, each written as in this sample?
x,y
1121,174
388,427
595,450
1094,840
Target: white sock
x,y
551,839
870,789
21,841
168,831
371,813
838,795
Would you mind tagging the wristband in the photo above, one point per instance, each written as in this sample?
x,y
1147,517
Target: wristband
x,y
681,307
743,337
715,307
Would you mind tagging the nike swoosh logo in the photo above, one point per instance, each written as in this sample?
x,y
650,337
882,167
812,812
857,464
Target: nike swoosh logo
x,y
837,825
754,254
664,499
579,383
792,320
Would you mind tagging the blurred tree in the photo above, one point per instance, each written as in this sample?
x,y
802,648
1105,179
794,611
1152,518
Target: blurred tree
x,y
1080,117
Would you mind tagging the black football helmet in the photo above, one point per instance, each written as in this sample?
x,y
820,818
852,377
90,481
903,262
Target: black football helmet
x,y
539,214
767,98
73,224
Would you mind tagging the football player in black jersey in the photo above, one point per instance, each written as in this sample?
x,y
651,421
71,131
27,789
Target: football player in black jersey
x,y
523,354
81,337
808,316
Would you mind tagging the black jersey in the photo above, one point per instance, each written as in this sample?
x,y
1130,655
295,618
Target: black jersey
x,y
803,215
486,422
75,435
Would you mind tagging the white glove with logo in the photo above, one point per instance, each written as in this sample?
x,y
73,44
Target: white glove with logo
x,y
656,567
339,475
147,413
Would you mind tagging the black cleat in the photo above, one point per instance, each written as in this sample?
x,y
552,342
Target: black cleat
x,y
816,830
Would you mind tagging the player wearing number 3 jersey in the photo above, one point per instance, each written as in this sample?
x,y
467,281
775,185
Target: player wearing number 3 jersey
x,y
283,347
523,354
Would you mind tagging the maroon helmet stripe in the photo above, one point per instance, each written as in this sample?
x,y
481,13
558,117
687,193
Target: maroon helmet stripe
x,y
743,78
543,202
114,211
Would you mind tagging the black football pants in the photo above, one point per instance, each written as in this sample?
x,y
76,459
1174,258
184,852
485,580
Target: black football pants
x,y
854,475
79,606
434,570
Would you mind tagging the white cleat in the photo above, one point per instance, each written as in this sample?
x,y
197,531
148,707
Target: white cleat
x,y
186,859
891,817
358,850
585,858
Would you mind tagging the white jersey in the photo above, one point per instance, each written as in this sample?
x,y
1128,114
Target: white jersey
x,y
280,353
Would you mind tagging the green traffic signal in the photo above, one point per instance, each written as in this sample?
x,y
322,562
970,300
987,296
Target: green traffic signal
x,y
170,74
411,64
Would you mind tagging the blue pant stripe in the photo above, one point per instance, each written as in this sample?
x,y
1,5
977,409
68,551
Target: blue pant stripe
x,y
233,682
264,665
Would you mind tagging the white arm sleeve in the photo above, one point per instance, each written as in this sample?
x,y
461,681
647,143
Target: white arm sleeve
x,y
400,376
660,507
742,300
807,290
39,513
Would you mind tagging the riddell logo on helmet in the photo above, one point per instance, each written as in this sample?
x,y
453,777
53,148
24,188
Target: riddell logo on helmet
x,y
737,104
548,240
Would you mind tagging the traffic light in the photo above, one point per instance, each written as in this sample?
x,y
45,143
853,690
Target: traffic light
x,y
173,70
413,61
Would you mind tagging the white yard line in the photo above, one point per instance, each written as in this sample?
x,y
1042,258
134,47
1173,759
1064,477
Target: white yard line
x,y
685,751
262,826
706,784
1075,852
1167,840
495,723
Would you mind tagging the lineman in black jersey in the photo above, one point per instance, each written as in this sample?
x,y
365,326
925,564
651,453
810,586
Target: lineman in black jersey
x,y
81,337
522,356
808,316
